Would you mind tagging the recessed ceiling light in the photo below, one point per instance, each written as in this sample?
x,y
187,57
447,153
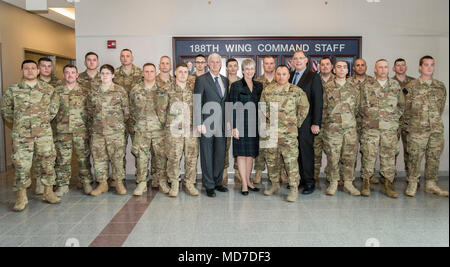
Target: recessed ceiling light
x,y
67,12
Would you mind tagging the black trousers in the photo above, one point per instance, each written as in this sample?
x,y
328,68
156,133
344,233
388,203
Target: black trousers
x,y
306,155
212,160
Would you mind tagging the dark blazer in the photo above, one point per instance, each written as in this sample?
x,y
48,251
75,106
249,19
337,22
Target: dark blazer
x,y
212,145
312,86
206,89
240,92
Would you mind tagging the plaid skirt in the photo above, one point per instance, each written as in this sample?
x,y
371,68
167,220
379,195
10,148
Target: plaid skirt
x,y
246,147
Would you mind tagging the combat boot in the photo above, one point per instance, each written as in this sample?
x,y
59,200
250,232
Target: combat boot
x,y
21,201
388,189
191,190
163,186
87,188
365,191
332,188
237,177
432,188
120,188
374,180
349,188
411,189
257,177
111,182
39,187
293,194
62,190
275,188
141,188
49,196
225,177
283,177
102,187
174,187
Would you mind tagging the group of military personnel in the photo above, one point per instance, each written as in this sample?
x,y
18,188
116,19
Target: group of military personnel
x,y
95,112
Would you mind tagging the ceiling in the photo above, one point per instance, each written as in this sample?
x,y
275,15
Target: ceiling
x,y
51,15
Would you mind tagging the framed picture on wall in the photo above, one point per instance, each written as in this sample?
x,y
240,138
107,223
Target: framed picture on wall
x,y
190,63
259,64
349,60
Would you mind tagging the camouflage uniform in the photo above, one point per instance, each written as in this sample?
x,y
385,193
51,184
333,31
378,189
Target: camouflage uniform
x,y
164,87
72,134
128,81
109,112
148,110
84,80
402,132
178,140
380,110
424,107
340,140
30,110
260,160
318,139
54,81
293,107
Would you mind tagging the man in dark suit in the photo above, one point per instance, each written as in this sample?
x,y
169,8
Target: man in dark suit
x,y
211,91
311,84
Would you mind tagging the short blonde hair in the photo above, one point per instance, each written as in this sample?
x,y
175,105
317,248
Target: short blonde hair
x,y
248,62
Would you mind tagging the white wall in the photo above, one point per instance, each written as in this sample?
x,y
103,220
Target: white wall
x,y
390,29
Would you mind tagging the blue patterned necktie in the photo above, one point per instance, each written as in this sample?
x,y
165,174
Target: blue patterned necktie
x,y
295,80
218,86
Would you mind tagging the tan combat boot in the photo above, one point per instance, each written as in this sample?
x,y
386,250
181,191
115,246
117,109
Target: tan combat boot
x,y
87,188
49,196
101,188
174,188
293,194
141,188
388,189
62,190
163,186
275,188
225,177
365,190
39,187
257,177
411,189
237,177
349,188
283,177
191,190
21,201
120,188
432,188
332,188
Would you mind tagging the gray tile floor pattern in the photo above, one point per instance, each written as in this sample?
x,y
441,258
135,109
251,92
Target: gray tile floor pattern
x,y
234,220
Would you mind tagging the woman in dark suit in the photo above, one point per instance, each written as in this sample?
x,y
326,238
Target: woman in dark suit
x,y
245,95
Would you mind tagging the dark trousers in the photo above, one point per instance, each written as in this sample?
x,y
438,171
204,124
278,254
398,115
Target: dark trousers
x,y
306,156
212,160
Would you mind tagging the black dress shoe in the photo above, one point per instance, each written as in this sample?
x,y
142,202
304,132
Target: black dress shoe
x,y
245,193
221,188
308,190
255,189
210,193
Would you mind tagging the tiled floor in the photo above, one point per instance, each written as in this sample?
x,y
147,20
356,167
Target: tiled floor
x,y
230,219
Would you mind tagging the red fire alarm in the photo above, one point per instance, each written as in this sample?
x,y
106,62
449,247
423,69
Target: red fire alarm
x,y
111,44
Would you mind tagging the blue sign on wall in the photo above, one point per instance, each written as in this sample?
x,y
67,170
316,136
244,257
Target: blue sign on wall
x,y
282,48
